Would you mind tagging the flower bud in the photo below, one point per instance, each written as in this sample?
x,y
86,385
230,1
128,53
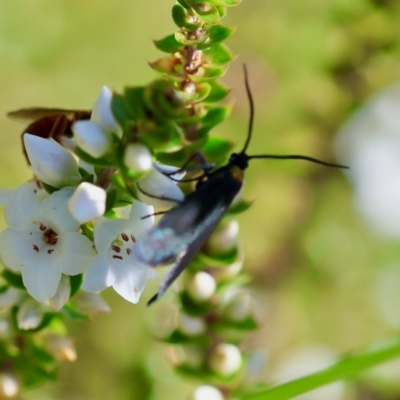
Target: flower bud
x,y
206,392
230,271
9,387
102,114
62,294
88,202
30,315
9,298
61,347
224,238
50,162
5,328
225,359
239,308
91,138
90,303
191,326
201,286
138,157
194,355
157,184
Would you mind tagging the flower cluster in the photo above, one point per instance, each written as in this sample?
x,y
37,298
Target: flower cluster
x,y
73,220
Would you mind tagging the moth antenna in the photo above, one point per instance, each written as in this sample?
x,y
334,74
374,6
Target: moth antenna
x,y
251,103
299,157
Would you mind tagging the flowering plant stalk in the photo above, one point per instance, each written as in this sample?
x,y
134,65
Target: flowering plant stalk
x,y
97,177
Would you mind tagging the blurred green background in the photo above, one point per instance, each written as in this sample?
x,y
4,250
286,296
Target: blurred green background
x,y
318,269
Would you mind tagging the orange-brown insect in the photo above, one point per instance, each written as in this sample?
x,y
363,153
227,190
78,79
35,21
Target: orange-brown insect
x,y
53,123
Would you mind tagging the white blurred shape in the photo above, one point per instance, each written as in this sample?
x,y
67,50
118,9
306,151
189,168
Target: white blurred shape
x,y
307,361
369,143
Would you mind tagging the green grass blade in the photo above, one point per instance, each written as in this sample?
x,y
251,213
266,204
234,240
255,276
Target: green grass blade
x,y
347,367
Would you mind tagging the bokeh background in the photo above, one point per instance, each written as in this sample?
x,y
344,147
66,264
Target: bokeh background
x,y
325,281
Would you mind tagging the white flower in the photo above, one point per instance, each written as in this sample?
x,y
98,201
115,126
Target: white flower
x,y
114,265
370,144
156,184
138,157
50,162
88,202
42,241
94,136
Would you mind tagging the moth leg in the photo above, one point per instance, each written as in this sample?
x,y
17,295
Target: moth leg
x,y
153,196
152,215
203,165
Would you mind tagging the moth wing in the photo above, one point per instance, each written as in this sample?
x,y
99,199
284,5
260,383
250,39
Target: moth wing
x,y
35,113
187,256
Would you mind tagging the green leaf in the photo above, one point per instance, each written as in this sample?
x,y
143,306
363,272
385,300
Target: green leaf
x,y
217,149
98,162
162,137
209,14
208,73
75,281
216,115
183,3
218,54
134,102
193,308
181,38
181,18
239,207
227,3
216,34
48,188
165,65
348,367
168,44
69,311
222,11
111,198
13,279
218,92
118,109
177,337
161,98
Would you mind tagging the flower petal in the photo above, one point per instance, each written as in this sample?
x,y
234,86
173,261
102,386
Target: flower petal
x,y
88,202
16,246
41,279
130,281
55,209
91,138
22,208
76,253
99,275
107,230
158,185
102,114
138,211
